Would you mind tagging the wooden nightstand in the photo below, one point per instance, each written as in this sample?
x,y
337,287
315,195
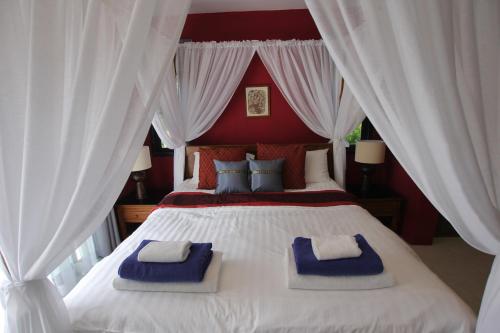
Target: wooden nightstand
x,y
132,212
381,203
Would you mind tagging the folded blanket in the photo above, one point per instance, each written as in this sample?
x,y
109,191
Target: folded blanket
x,y
316,282
335,247
164,251
208,285
191,270
367,263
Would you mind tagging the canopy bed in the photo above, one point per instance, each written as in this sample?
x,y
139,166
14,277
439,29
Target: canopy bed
x,y
81,81
252,293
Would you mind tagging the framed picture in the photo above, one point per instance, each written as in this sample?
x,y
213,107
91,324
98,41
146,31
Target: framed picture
x,y
257,101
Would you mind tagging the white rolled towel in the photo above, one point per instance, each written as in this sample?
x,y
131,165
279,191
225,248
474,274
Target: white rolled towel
x,y
335,247
165,251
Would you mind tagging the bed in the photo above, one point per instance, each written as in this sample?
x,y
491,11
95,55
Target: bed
x,y
252,294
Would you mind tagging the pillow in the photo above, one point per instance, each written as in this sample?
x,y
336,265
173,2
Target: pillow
x,y
294,166
207,173
267,176
232,177
316,168
196,168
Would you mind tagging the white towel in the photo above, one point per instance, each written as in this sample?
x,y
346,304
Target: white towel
x,y
335,247
165,251
318,282
208,285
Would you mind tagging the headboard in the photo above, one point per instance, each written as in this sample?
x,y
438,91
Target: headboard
x,y
252,148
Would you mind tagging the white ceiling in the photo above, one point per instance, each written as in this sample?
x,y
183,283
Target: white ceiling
x,y
216,6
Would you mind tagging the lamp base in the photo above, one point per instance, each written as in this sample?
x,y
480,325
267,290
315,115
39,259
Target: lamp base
x,y
367,169
139,177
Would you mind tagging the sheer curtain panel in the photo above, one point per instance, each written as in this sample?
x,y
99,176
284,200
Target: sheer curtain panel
x,y
308,79
427,74
207,75
72,121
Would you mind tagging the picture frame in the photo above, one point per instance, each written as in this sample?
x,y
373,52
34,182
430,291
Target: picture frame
x,y
257,100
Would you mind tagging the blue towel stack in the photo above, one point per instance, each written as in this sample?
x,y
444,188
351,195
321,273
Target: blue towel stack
x,y
191,270
368,263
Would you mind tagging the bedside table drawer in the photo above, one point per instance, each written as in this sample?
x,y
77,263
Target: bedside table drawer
x,y
134,213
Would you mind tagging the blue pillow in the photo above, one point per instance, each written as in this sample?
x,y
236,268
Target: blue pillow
x,y
232,177
267,176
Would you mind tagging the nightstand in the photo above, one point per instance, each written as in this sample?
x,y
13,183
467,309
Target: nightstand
x,y
382,203
132,212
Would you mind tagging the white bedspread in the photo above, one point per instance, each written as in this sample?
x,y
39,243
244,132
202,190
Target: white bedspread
x,y
252,294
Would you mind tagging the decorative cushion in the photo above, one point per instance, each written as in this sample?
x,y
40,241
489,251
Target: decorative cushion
x,y
294,167
232,177
208,178
196,168
250,156
267,176
317,166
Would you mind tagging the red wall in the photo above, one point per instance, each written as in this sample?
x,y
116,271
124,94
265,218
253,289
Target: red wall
x,y
420,218
233,126
282,126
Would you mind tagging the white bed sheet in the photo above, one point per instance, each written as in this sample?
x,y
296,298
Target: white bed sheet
x,y
252,295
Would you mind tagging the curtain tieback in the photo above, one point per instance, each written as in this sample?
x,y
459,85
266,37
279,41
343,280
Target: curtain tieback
x,y
339,141
7,285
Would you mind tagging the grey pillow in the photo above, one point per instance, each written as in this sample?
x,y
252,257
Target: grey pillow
x,y
232,177
267,176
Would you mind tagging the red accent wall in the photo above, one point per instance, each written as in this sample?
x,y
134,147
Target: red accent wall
x,y
282,126
420,217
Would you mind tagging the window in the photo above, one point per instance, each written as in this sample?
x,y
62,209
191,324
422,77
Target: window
x,y
363,131
355,135
158,148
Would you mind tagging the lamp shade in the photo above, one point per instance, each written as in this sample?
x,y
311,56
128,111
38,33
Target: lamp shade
x,y
370,151
143,161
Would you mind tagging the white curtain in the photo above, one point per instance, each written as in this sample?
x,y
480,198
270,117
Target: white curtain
x,y
308,79
71,126
427,74
207,76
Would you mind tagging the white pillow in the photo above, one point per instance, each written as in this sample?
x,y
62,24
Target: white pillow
x,y
317,166
196,168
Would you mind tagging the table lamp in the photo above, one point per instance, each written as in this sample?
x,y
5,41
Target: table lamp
x,y
369,153
143,162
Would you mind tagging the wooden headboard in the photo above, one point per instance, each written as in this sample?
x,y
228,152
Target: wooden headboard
x,y
252,149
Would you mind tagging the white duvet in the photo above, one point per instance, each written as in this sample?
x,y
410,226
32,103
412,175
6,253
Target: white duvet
x,y
252,294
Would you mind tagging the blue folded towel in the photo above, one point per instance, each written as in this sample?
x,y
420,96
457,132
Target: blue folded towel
x,y
369,263
191,270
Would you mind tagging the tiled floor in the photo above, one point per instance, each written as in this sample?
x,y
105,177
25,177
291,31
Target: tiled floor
x,y
459,265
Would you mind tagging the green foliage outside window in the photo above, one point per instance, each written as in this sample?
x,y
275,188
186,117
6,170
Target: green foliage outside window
x,y
354,136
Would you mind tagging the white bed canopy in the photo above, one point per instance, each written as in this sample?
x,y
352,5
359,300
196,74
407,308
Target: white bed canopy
x,y
74,111
208,73
431,88
78,89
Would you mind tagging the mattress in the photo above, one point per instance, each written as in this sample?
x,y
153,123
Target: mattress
x,y
252,294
